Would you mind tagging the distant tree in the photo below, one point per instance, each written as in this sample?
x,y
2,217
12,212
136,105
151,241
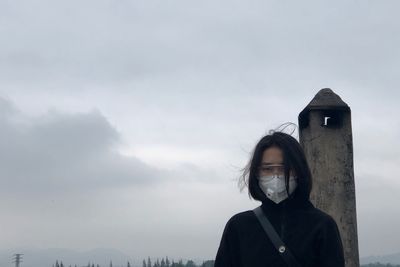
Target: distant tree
x,y
148,262
88,265
128,265
92,264
144,264
209,263
111,264
163,262
97,265
167,262
61,264
57,265
190,263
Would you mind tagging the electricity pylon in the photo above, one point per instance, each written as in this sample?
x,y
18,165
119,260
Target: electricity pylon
x,y
17,258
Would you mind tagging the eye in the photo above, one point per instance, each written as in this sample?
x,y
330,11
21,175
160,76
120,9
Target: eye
x,y
265,169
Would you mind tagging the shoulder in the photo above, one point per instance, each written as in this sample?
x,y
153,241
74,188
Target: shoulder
x,y
312,218
241,219
244,215
323,216
322,219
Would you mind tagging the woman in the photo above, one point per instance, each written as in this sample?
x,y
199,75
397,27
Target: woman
x,y
278,175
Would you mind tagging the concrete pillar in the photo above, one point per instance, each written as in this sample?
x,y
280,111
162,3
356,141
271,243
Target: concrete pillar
x,y
326,137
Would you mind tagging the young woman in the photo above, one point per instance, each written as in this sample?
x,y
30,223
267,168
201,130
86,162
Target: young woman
x,y
278,175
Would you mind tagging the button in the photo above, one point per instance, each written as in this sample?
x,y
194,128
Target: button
x,y
282,249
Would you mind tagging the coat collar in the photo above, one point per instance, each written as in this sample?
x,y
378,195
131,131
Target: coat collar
x,y
288,205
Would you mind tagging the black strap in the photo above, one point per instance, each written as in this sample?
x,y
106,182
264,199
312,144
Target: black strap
x,y
275,239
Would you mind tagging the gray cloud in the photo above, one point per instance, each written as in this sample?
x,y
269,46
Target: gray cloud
x,y
64,153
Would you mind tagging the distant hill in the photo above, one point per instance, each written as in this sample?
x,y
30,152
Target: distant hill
x,y
389,258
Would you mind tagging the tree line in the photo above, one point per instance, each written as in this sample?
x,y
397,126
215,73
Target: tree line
x,y
167,263
148,263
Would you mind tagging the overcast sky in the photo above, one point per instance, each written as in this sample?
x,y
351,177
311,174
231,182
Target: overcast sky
x,y
124,124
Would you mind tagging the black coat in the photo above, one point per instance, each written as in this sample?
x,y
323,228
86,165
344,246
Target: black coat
x,y
311,235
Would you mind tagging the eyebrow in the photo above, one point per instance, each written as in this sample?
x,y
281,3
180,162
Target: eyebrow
x,y
271,164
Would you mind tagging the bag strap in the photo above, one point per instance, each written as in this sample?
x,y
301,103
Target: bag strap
x,y
275,239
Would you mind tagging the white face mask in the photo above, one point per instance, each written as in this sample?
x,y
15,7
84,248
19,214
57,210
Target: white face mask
x,y
274,187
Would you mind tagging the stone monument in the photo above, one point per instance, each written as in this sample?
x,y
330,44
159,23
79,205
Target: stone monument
x,y
326,137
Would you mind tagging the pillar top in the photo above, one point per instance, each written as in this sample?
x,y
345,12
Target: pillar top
x,y
325,99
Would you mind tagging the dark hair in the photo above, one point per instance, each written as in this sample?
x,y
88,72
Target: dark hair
x,y
293,159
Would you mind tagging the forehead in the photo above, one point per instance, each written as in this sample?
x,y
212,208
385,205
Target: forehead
x,y
272,155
